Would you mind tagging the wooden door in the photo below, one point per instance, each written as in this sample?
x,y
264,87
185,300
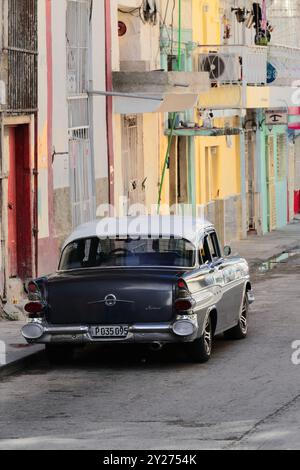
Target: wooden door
x,y
12,206
20,234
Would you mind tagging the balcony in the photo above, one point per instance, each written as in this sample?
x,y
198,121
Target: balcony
x,y
158,91
237,74
283,76
283,65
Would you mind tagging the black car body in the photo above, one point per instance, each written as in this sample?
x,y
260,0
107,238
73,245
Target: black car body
x,y
152,280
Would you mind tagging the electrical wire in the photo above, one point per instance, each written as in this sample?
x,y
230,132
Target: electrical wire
x,y
174,115
143,12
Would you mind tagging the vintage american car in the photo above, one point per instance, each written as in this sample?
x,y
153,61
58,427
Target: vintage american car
x,y
152,280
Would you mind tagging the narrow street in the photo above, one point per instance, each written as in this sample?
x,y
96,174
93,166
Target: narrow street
x,y
247,396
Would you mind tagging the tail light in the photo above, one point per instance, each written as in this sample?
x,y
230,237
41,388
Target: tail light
x,y
33,291
182,289
181,284
32,287
34,309
184,302
183,305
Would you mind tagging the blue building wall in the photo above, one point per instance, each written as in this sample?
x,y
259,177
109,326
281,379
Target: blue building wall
x,y
280,180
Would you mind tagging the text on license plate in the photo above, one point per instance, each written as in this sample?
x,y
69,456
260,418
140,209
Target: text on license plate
x,y
120,331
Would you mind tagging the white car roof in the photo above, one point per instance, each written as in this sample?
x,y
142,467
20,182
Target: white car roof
x,y
187,227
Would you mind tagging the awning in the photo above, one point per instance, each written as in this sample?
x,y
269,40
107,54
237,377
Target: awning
x,y
171,91
160,104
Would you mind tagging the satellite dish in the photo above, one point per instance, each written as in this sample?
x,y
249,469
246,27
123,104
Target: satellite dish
x,y
272,73
214,65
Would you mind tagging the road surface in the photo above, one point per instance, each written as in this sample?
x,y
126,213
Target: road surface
x,y
246,397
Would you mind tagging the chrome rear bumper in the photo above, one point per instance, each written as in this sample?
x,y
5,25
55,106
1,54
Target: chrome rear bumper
x,y
40,332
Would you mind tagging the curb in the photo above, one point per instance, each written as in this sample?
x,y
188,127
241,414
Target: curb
x,y
20,364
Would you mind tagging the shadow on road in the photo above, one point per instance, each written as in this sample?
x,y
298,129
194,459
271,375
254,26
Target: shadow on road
x,y
134,356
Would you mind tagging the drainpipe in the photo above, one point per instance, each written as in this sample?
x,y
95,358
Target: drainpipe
x,y
3,294
35,197
109,102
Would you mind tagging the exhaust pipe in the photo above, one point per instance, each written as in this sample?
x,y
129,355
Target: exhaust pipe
x,y
156,346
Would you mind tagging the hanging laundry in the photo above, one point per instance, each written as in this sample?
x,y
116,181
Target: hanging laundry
x,y
264,16
257,11
150,11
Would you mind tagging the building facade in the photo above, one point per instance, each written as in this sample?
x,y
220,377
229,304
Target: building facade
x,y
54,167
18,146
133,106
72,131
140,67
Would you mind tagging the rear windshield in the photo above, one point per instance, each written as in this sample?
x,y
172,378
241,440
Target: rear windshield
x,y
95,252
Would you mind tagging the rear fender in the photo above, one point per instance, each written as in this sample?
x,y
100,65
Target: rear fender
x,y
212,311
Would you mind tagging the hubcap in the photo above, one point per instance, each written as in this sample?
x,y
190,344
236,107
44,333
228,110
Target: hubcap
x,y
208,337
243,318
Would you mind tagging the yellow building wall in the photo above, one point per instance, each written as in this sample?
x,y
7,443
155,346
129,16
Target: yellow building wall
x,y
217,159
217,168
231,97
118,179
151,150
206,22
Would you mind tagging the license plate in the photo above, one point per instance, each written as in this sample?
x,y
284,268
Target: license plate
x,y
117,331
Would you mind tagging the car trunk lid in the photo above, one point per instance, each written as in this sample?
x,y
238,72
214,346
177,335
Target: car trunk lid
x,y
111,296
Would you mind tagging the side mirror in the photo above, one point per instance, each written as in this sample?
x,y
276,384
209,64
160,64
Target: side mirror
x,y
227,251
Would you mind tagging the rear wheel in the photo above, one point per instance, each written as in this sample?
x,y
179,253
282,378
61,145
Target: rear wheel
x,y
200,350
59,353
240,331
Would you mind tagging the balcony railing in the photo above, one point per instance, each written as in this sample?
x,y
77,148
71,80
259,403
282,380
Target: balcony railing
x,y
283,65
234,64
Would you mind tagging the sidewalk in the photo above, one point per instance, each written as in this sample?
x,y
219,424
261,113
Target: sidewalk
x,y
256,249
15,353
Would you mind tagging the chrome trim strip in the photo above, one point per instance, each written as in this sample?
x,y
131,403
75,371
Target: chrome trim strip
x,y
137,327
58,330
150,327
117,301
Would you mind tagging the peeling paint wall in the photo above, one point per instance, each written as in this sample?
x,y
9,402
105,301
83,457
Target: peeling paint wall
x,y
55,205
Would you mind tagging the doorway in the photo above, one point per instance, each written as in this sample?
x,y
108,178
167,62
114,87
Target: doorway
x,y
212,176
250,179
178,166
19,204
271,187
132,159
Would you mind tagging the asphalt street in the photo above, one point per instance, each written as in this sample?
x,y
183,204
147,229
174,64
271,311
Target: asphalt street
x,y
246,397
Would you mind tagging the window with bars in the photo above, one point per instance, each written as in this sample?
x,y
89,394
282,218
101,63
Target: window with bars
x,y
22,55
79,14
77,37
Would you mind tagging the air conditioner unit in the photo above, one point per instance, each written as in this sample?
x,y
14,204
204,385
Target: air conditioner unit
x,y
221,67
